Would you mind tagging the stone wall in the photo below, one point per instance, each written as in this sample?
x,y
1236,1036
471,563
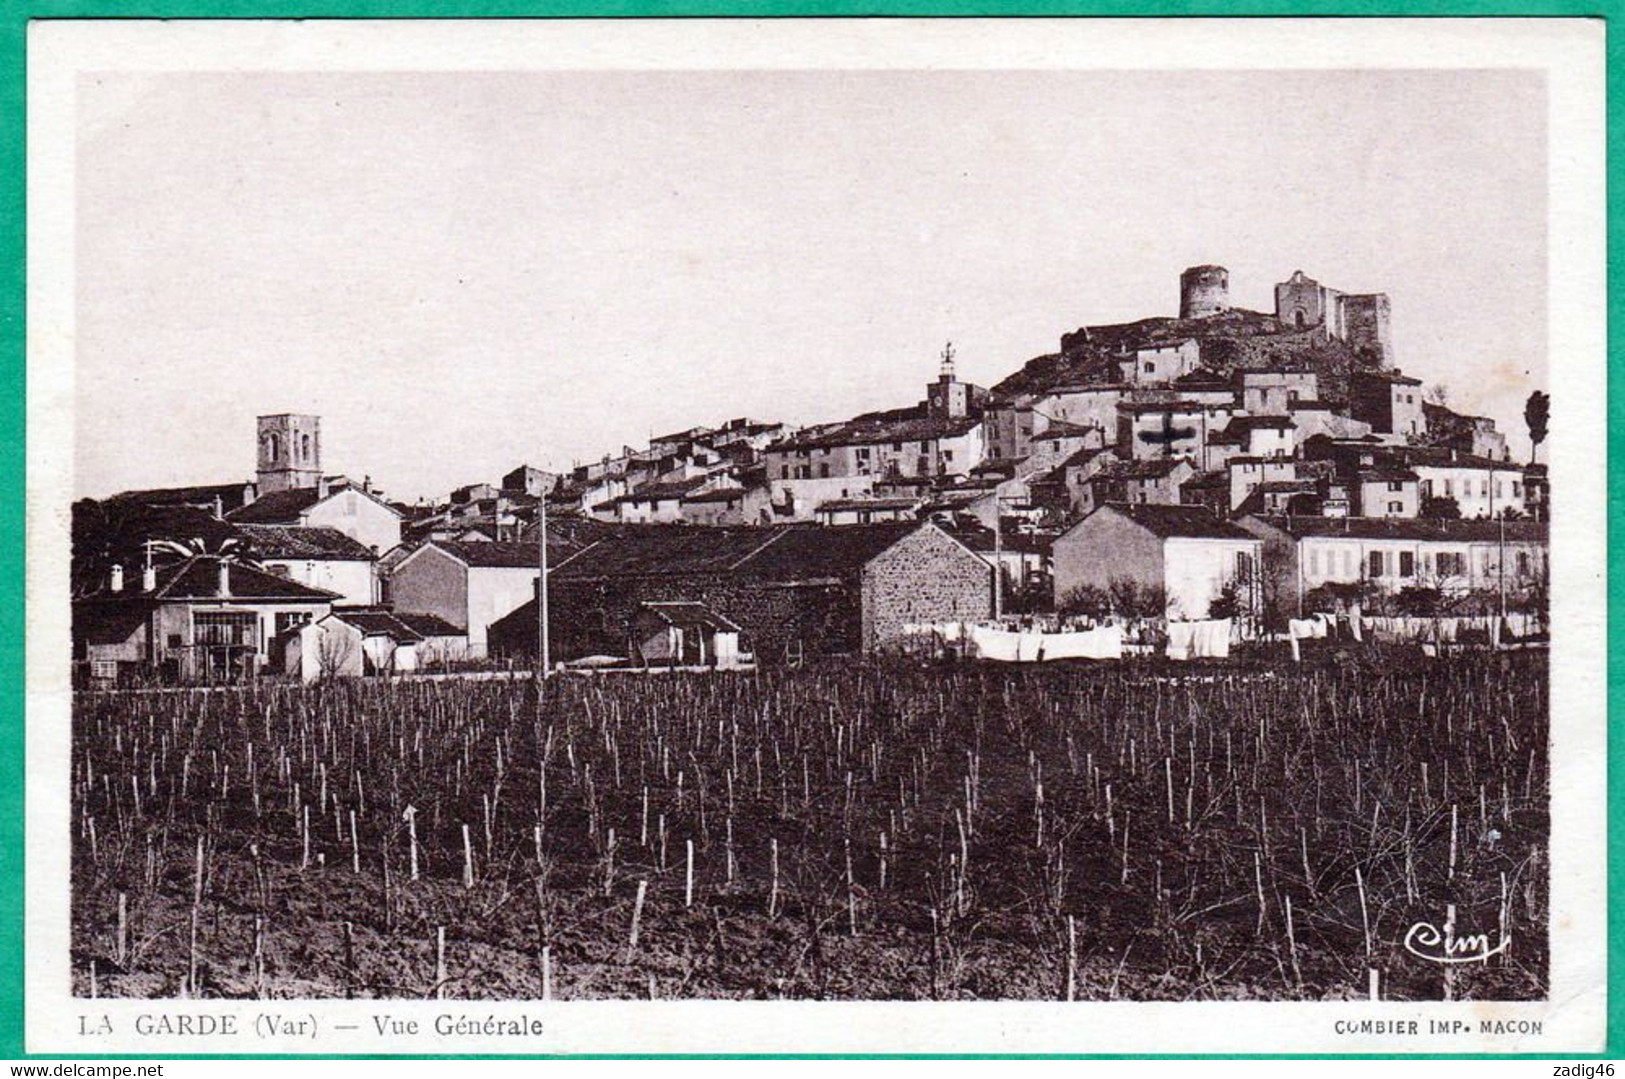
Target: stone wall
x,y
927,576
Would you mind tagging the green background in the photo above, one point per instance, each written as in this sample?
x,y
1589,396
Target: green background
x,y
13,78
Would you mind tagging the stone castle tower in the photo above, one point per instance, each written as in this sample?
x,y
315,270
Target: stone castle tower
x,y
1204,291
290,452
1361,319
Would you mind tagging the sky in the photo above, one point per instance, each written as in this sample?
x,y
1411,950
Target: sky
x,y
461,272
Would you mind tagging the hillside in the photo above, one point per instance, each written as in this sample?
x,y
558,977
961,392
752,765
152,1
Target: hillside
x,y
1235,339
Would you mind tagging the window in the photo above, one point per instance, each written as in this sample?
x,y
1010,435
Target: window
x,y
1451,564
1396,485
1376,564
225,628
1497,488
823,471
1314,562
897,447
286,620
925,447
1244,565
1523,563
1448,491
1517,489
1348,563
784,472
1150,368
1407,564
948,455
304,443
1396,507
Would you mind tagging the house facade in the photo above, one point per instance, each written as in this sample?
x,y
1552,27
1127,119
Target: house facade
x,y
201,619
323,558
468,585
1390,555
1192,556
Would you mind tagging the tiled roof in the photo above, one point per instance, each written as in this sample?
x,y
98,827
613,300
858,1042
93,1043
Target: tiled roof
x,y
1160,406
1240,424
482,554
662,492
198,578
229,494
815,553
428,625
1411,528
688,613
777,552
383,622
899,502
872,432
277,508
293,541
665,549
379,624
1168,522
1152,469
721,494
1387,376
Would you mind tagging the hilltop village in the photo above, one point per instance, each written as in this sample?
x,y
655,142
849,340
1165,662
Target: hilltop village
x,y
1259,465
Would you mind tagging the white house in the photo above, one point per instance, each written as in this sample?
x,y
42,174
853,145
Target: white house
x,y
320,557
469,585
354,511
1395,553
1185,550
1480,486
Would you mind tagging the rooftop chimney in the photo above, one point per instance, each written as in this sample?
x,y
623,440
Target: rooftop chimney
x,y
115,581
225,579
149,579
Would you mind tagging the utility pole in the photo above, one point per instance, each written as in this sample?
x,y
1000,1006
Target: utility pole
x,y
998,560
541,586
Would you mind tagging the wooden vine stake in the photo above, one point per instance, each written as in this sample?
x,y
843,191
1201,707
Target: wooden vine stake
x,y
411,817
440,962
637,919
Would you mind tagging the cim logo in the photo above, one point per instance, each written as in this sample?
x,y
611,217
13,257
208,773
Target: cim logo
x,y
1442,945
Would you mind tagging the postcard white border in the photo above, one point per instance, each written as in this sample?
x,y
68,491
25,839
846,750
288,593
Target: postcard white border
x,y
1569,51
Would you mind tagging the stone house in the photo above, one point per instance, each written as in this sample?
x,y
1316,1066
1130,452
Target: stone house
x,y
1391,403
726,506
